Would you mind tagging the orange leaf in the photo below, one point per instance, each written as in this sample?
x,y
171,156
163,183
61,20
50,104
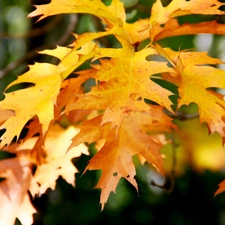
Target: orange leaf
x,y
172,28
221,188
115,157
13,191
70,88
90,131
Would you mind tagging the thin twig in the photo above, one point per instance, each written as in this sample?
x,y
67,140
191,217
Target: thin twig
x,y
169,183
30,55
35,32
174,162
69,30
181,115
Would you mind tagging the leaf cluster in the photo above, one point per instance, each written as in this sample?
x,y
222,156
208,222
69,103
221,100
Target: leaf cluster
x,y
129,111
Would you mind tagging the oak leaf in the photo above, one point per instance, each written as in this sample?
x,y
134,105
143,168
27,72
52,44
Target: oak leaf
x,y
71,58
41,97
16,175
124,84
115,157
160,14
112,14
173,28
56,162
196,82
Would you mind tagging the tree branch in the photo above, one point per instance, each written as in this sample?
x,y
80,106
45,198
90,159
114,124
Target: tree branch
x,y
30,55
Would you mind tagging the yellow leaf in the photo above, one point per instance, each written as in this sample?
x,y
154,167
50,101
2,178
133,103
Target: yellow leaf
x,y
195,82
137,31
109,14
36,100
57,160
71,58
113,16
161,15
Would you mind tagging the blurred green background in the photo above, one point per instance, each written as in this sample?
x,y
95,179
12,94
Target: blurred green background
x,y
191,200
